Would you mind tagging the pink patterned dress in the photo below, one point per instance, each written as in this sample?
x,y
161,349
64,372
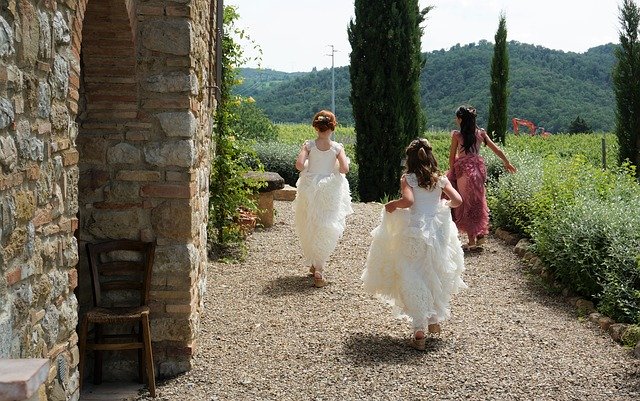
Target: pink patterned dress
x,y
468,175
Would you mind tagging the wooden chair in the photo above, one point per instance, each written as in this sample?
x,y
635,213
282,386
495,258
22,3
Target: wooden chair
x,y
121,277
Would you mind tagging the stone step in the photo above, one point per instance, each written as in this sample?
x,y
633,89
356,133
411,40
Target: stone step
x,y
288,193
20,379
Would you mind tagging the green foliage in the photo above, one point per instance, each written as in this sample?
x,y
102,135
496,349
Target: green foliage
x,y
581,222
548,87
626,79
250,122
280,158
497,125
579,126
564,146
509,198
296,134
386,106
631,336
228,189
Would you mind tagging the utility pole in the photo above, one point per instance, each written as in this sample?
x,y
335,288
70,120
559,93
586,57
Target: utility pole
x,y
333,81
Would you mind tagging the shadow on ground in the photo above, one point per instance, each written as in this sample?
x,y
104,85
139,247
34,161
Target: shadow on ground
x,y
371,349
289,285
632,382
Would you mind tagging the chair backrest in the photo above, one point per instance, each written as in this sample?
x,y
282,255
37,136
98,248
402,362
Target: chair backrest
x,y
121,272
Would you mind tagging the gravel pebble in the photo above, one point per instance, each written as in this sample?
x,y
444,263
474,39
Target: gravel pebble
x,y
267,334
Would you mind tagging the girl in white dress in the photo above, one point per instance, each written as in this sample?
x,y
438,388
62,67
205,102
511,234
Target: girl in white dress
x,y
323,199
415,260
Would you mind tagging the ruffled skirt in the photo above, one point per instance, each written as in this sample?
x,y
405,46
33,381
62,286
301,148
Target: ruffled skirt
x,y
321,206
416,266
468,176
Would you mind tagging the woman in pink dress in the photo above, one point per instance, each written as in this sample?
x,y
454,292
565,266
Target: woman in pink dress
x,y
469,173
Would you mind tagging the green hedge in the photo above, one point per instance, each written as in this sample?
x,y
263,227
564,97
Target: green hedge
x,y
584,224
279,158
509,195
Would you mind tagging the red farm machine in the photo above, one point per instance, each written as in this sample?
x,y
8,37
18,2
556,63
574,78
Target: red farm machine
x,y
517,122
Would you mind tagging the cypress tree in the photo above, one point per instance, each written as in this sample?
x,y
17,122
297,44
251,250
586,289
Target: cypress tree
x,y
626,81
497,124
386,61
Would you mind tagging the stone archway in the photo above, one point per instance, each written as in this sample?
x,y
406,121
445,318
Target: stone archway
x,y
104,133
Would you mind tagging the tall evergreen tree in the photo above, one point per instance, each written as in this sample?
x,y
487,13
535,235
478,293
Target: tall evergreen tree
x,y
626,81
386,61
497,124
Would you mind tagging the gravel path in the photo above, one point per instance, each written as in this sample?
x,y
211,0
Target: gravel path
x,y
267,334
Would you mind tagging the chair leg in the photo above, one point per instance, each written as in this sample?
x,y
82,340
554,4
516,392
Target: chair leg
x,y
148,352
97,366
84,330
141,359
141,366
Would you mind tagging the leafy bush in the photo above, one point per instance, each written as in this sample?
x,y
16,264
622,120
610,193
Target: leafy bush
x,y
250,122
584,224
591,241
279,158
229,191
631,336
510,199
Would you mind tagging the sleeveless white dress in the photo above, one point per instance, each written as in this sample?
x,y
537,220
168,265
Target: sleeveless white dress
x,y
321,205
415,261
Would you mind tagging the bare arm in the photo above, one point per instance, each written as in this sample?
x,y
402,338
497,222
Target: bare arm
x,y
302,156
343,161
452,151
405,201
491,145
455,199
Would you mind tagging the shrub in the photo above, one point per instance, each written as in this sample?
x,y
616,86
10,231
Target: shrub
x,y
279,158
509,196
583,222
250,122
631,336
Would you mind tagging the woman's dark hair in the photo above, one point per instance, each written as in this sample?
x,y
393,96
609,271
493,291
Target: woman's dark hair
x,y
422,163
324,120
467,116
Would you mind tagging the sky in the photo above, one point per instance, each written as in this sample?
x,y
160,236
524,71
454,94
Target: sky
x,y
295,35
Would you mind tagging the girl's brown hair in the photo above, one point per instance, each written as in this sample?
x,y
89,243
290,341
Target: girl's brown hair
x,y
422,163
324,121
468,127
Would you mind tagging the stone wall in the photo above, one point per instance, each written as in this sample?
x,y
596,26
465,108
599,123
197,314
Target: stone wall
x,y
104,133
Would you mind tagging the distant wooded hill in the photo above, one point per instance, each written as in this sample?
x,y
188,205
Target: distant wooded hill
x,y
548,87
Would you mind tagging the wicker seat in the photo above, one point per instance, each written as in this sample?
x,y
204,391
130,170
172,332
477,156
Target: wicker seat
x,y
121,277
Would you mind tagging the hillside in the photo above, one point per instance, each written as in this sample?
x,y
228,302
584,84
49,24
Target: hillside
x,y
549,87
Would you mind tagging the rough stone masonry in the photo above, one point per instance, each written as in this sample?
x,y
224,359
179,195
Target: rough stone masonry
x,y
104,133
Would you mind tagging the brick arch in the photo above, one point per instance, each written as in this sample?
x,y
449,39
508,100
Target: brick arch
x,y
134,164
108,84
142,143
105,86
107,115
